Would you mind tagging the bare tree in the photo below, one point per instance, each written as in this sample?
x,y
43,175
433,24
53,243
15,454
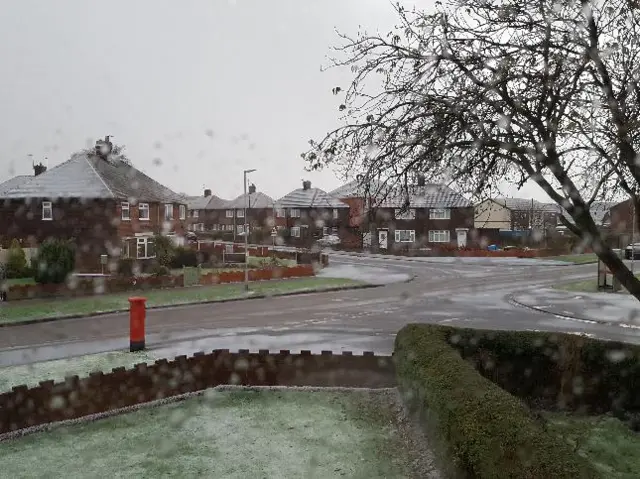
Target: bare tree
x,y
481,91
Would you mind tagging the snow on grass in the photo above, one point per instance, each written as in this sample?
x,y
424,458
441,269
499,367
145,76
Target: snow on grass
x,y
32,374
230,434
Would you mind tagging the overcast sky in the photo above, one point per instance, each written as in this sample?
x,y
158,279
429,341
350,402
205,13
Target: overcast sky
x,y
197,90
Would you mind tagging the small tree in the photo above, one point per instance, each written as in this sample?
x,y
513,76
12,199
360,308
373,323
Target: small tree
x,y
165,250
55,261
16,261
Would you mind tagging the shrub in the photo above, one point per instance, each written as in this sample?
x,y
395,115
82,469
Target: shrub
x,y
486,431
184,257
165,250
55,261
158,269
126,267
16,266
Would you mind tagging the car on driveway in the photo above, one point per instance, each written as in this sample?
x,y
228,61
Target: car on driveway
x,y
329,240
632,250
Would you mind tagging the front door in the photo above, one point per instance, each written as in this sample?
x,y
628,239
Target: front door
x,y
462,238
382,239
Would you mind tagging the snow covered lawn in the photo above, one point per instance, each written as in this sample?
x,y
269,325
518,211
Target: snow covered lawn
x,y
234,433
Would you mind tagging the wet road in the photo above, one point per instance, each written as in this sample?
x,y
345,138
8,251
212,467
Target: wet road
x,y
462,293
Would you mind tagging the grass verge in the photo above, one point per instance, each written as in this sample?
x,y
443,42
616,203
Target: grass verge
x,y
27,310
56,370
585,286
230,434
576,258
605,441
484,431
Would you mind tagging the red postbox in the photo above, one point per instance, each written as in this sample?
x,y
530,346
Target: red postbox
x,y
137,316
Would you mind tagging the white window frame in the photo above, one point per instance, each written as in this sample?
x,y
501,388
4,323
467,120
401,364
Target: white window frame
x,y
295,232
410,214
200,226
228,213
294,213
281,213
405,236
145,240
168,212
195,214
47,211
335,213
239,229
440,214
325,231
125,249
239,213
439,236
144,207
183,212
125,206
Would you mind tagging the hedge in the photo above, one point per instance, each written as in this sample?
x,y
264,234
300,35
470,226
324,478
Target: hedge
x,y
487,432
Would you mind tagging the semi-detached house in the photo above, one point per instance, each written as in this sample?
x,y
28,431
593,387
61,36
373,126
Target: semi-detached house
x,y
98,200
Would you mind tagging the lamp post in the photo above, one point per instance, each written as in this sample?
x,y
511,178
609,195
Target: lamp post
x,y
246,236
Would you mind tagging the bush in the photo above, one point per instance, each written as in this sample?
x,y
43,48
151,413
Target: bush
x,y
16,266
184,257
487,432
158,269
126,267
165,250
55,261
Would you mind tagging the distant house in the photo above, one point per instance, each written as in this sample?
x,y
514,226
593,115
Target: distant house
x,y
514,214
98,200
620,219
425,214
203,211
259,218
307,214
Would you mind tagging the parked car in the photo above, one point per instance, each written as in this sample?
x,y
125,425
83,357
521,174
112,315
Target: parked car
x,y
329,240
632,250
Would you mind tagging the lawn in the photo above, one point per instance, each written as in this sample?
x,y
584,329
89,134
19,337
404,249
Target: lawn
x,y
254,262
576,258
57,370
17,311
230,434
608,443
586,285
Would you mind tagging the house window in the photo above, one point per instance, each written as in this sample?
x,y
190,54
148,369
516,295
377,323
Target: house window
x,y
335,213
280,213
195,213
325,230
240,229
239,213
143,211
295,231
440,214
146,248
409,214
47,210
200,227
125,251
405,236
334,230
229,213
294,213
125,211
441,236
183,212
168,212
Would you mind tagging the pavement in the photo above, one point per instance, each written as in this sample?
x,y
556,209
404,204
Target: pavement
x,y
459,293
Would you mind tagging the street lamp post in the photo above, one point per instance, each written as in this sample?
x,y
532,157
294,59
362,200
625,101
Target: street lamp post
x,y
246,235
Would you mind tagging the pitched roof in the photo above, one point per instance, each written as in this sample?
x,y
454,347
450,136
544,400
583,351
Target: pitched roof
x,y
13,182
518,204
88,176
598,210
355,189
254,200
211,202
431,195
309,198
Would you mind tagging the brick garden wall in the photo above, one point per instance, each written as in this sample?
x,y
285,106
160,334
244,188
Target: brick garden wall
x,y
101,285
100,392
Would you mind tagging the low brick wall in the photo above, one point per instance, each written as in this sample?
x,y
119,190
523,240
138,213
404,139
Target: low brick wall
x,y
100,392
105,285
300,256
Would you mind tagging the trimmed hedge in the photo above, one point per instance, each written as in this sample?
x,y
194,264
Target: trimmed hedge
x,y
486,431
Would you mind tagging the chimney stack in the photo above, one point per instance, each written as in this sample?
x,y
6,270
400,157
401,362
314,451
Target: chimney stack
x,y
421,180
207,193
39,169
252,189
306,185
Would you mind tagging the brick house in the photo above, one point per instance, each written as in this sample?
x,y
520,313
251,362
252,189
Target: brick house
x,y
619,221
260,215
427,215
98,200
203,211
306,214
